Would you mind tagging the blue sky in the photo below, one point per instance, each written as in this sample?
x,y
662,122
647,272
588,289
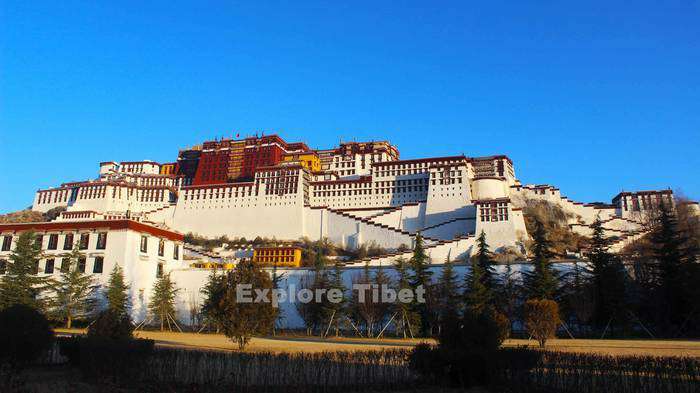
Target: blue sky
x,y
593,97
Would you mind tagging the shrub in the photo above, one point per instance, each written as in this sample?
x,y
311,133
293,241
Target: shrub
x,y
24,335
112,325
541,319
467,353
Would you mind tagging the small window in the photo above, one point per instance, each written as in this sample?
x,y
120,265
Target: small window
x,y
3,266
48,268
144,243
84,241
6,242
68,242
39,241
159,270
97,266
101,240
81,264
161,247
65,265
176,251
53,241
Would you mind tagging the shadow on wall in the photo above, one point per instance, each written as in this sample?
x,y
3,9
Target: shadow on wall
x,y
462,212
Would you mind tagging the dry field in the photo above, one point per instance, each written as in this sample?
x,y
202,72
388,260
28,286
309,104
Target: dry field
x,y
620,347
314,344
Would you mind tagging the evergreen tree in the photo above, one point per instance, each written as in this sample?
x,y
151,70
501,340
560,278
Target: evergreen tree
x,y
162,304
307,310
408,320
21,284
337,309
508,293
316,315
673,267
421,278
448,294
543,281
211,292
117,292
485,260
607,279
381,283
477,297
73,291
323,310
276,279
576,294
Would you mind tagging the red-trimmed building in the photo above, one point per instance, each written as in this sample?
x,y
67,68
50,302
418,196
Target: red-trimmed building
x,y
143,251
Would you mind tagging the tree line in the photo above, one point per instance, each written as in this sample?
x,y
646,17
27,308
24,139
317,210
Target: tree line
x,y
649,290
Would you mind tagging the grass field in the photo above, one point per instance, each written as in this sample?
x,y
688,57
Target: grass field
x,y
315,344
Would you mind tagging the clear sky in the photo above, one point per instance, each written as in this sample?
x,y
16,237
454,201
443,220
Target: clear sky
x,y
593,97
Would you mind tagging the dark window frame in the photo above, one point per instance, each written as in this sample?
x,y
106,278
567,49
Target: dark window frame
x,y
68,241
84,242
82,261
49,266
101,241
98,262
143,247
53,242
6,243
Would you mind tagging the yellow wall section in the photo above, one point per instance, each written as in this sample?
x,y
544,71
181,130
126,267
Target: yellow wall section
x,y
308,160
279,256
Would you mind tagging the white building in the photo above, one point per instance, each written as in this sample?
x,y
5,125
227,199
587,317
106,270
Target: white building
x,y
142,251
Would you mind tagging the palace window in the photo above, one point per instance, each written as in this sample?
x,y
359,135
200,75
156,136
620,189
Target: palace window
x,y
68,242
53,241
81,264
48,268
6,242
494,212
97,265
84,241
176,252
161,247
144,244
101,240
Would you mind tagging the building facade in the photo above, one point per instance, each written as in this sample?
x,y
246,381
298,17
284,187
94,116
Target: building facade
x,y
356,193
144,252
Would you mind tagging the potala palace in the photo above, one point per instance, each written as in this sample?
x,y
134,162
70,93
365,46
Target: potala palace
x,y
356,193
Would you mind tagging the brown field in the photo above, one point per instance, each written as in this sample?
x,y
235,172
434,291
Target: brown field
x,y
315,344
620,347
